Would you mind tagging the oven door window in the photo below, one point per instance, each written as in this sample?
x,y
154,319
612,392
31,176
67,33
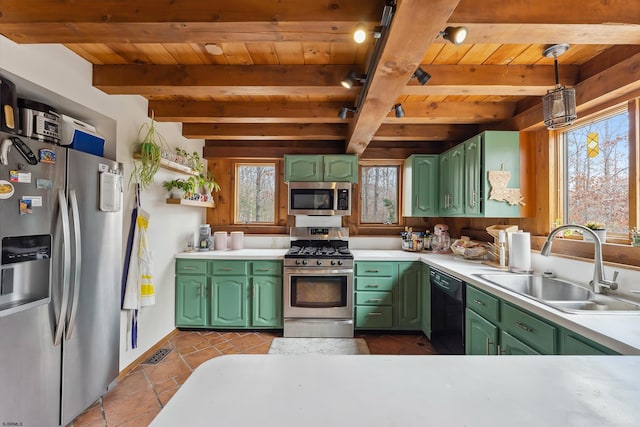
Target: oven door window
x,y
318,291
320,199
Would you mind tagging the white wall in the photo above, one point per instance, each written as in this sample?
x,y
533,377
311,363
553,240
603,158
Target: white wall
x,y
62,73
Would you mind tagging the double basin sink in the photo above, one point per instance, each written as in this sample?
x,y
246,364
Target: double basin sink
x,y
562,295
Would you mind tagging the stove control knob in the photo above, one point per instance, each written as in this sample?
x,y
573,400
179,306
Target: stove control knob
x,y
297,262
339,262
319,262
304,262
333,262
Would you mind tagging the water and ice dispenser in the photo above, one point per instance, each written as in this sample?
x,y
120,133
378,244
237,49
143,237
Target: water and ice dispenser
x,y
25,272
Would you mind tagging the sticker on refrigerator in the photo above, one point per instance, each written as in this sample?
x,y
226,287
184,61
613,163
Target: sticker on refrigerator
x,y
44,184
25,206
6,189
36,201
47,156
20,177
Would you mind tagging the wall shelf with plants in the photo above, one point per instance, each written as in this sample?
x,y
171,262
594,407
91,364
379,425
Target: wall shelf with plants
x,y
188,202
171,165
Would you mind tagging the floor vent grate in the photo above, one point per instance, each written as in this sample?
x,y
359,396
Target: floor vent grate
x,y
157,356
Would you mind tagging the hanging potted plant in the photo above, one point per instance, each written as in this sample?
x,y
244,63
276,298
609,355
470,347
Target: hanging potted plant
x,y
151,145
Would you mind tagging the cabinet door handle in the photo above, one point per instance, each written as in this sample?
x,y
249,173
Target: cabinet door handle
x,y
226,269
188,268
372,285
488,347
473,199
374,313
374,300
479,302
523,326
201,291
372,271
264,269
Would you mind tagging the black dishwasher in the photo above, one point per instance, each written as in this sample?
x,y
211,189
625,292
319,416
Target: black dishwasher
x,y
448,296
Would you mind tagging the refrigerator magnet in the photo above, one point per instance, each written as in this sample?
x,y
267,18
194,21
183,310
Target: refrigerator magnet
x,y
47,156
6,189
43,184
25,206
20,176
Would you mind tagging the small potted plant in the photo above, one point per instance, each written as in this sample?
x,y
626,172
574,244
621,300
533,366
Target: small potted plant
x,y
598,228
177,187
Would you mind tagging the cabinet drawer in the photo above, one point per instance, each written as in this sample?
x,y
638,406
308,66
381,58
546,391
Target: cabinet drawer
x,y
189,266
375,268
534,332
374,298
484,304
224,268
266,268
374,316
374,283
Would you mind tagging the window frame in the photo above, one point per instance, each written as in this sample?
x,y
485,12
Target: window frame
x,y
277,220
559,177
366,228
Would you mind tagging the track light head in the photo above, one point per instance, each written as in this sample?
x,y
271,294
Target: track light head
x,y
455,35
344,110
422,76
360,34
351,78
399,110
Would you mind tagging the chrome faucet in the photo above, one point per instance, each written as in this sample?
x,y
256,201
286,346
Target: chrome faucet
x,y
598,282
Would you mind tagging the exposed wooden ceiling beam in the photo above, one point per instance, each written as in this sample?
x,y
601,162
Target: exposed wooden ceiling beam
x,y
322,112
431,132
273,80
247,131
541,22
186,21
219,80
269,149
414,26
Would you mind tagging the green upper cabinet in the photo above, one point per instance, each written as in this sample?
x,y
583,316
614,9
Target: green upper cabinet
x,y
303,168
315,168
499,152
472,175
341,168
451,182
420,185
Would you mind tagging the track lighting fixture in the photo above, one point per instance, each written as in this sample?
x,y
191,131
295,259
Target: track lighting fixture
x,y
422,76
399,110
360,34
455,35
559,104
344,110
351,78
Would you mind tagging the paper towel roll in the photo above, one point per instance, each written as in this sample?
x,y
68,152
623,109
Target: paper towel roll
x,y
220,240
237,240
520,252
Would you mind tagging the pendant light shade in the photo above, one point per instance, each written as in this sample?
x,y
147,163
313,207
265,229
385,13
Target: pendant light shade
x,y
559,104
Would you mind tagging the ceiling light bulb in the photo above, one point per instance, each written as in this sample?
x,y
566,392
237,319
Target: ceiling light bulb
x,y
360,34
455,35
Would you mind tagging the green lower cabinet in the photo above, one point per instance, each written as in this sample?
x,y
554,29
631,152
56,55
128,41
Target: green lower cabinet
x,y
575,344
481,336
374,316
266,301
425,283
191,302
409,291
512,346
229,301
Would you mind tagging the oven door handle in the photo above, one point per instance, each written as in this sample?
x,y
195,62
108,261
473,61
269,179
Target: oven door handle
x,y
313,270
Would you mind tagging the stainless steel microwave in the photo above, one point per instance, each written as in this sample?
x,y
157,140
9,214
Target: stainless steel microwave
x,y
319,198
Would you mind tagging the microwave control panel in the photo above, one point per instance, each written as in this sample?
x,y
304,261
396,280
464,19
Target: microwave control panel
x,y
343,199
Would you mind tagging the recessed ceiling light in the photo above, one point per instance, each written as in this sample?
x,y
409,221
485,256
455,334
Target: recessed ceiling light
x,y
213,49
360,34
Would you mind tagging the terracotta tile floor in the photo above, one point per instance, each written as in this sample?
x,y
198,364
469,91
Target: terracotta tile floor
x,y
138,398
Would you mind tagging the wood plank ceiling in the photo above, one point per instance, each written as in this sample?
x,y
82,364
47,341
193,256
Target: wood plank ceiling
x,y
276,83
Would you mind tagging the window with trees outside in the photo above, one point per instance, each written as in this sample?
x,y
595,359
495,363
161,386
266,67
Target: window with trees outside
x,y
379,194
255,193
596,172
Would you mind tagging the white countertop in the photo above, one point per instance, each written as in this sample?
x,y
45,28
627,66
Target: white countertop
x,y
619,332
316,390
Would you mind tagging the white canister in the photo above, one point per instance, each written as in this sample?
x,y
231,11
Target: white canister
x,y
237,240
220,240
520,252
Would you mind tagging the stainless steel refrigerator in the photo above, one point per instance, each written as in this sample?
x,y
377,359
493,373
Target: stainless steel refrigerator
x,y
61,234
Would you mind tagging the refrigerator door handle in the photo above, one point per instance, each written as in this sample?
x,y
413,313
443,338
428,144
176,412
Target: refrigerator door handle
x,y
66,267
77,261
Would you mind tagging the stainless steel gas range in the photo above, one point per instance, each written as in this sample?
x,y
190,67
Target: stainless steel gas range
x,y
318,283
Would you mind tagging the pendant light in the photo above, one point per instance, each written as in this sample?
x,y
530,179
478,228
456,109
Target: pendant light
x,y
559,104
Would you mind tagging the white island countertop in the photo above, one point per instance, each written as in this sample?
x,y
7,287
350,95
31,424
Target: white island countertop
x,y
315,390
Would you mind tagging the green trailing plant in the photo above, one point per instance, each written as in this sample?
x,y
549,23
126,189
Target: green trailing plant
x,y
151,144
595,225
